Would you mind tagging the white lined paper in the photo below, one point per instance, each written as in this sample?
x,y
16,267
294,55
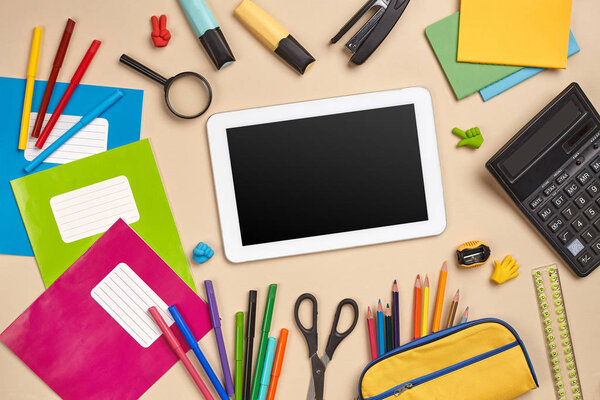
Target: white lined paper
x,y
91,139
126,298
93,209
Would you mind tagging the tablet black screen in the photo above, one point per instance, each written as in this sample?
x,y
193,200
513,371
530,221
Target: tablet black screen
x,y
329,174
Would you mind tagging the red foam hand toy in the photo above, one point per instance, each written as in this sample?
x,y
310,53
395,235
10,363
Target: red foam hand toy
x,y
160,34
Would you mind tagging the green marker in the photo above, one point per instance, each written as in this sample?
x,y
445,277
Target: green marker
x,y
264,337
239,355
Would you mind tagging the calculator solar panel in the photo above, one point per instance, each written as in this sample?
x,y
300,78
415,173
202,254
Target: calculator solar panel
x,y
551,170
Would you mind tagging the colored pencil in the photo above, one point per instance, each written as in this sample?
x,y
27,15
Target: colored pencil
x,y
372,338
250,328
58,61
267,367
176,347
85,62
239,355
193,343
465,316
278,363
396,314
439,299
34,55
380,330
264,337
452,312
215,319
389,335
417,309
425,308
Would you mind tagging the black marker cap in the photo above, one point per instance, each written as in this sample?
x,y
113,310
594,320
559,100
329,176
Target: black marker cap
x,y
217,48
294,54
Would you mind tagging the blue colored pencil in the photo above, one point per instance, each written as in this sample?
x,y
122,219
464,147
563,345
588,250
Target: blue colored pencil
x,y
380,330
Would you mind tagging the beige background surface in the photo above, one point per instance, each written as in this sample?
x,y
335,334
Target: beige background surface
x,y
476,206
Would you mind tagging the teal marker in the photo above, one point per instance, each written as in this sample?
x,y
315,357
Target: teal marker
x,y
266,372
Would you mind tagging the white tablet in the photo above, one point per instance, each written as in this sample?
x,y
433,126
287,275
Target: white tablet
x,y
327,174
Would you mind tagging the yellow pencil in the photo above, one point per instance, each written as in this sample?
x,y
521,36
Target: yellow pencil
x,y
425,308
34,55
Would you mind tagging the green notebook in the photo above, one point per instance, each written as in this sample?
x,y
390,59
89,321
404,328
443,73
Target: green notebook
x,y
465,78
66,208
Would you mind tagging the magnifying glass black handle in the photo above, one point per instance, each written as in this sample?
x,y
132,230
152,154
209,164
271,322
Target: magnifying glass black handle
x,y
130,62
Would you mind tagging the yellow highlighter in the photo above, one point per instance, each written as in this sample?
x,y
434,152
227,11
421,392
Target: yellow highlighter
x,y
34,55
273,35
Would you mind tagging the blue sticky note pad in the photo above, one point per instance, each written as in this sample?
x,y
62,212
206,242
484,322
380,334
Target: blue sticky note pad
x,y
512,80
123,122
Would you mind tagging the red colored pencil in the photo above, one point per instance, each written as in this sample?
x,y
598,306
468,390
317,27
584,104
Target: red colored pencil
x,y
87,59
58,60
372,339
417,309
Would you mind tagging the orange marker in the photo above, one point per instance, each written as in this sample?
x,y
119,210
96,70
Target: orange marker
x,y
417,309
439,300
276,371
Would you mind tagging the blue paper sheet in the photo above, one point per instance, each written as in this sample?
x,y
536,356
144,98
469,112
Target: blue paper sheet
x,y
124,122
512,80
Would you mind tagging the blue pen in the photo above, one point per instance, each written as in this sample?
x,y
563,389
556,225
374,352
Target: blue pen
x,y
208,31
86,119
191,341
266,372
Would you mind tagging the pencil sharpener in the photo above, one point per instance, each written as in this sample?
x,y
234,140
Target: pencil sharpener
x,y
473,253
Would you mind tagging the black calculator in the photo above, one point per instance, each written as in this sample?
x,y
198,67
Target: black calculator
x,y
551,170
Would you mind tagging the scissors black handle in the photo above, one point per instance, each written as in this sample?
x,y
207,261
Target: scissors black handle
x,y
335,337
309,334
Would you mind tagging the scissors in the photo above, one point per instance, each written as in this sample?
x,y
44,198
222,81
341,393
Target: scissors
x,y
317,382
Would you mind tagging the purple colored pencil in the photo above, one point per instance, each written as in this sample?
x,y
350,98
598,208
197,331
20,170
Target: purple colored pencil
x,y
396,314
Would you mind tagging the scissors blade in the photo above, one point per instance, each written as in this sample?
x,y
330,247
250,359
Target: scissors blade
x,y
315,387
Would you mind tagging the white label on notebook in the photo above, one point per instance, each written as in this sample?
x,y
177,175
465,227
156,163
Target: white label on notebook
x,y
93,209
91,139
127,298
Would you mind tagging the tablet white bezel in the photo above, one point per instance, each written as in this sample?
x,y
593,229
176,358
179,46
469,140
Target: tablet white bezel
x,y
218,124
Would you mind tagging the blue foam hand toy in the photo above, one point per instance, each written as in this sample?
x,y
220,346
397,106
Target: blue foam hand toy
x,y
202,253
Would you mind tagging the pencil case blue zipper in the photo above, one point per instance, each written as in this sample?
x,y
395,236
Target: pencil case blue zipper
x,y
483,359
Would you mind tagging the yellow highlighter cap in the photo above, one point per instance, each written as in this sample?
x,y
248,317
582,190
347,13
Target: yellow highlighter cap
x,y
261,24
34,53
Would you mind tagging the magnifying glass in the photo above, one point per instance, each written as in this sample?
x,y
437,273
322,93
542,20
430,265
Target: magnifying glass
x,y
181,90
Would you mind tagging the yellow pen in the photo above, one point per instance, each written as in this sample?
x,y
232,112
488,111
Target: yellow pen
x,y
425,308
34,55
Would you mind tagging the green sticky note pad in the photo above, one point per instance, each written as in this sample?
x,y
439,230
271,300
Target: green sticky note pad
x,y
465,78
65,209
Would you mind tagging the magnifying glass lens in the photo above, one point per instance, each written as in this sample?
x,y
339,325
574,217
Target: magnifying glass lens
x,y
188,95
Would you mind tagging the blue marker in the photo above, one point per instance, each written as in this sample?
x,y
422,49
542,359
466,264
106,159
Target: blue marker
x,y
191,341
86,119
266,372
206,28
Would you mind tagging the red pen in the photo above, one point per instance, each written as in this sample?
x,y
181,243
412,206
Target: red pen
x,y
67,95
176,346
58,60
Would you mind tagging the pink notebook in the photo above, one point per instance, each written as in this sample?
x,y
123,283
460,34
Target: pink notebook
x,y
89,336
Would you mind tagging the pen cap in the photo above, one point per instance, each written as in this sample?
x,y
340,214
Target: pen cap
x,y
34,52
281,344
64,43
239,336
269,355
212,304
266,326
251,317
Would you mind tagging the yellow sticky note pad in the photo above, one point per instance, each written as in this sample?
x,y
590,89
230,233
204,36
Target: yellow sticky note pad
x,y
533,33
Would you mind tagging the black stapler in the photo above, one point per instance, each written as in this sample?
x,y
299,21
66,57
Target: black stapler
x,y
374,31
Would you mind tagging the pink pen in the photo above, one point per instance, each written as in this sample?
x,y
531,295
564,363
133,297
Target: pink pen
x,y
176,346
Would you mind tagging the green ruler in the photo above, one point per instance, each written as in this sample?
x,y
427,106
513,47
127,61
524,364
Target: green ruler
x,y
553,315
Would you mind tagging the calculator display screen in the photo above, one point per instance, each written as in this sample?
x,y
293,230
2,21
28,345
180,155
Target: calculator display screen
x,y
327,174
540,138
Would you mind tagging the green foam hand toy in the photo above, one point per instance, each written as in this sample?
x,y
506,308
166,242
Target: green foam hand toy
x,y
472,137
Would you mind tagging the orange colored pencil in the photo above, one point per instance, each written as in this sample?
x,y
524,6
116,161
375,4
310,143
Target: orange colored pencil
x,y
417,309
439,300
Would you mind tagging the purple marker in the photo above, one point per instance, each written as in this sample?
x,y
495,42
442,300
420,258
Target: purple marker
x,y
216,323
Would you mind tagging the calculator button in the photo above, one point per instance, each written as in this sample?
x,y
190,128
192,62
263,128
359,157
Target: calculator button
x,y
589,235
596,247
591,212
556,224
584,177
578,224
575,247
595,165
550,189
563,177
565,236
571,189
582,200
536,202
579,160
593,189
558,200
585,260
545,213
569,212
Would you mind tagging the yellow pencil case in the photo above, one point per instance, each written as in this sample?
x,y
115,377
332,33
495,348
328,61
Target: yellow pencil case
x,y
483,359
